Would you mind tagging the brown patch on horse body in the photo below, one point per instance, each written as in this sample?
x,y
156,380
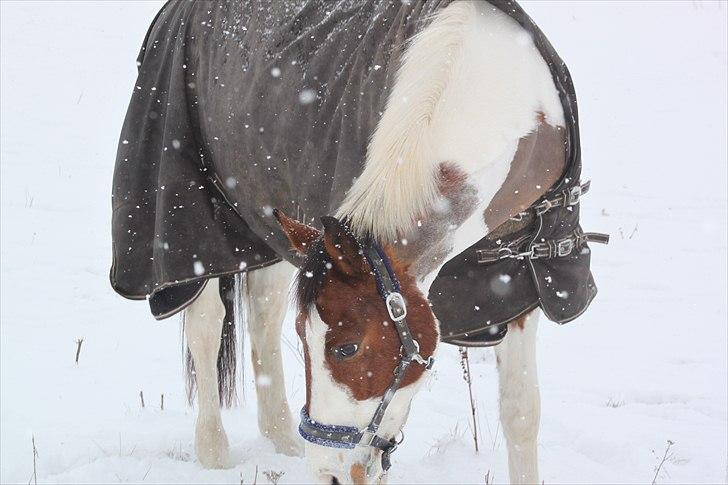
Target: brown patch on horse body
x,y
451,179
538,164
427,242
518,323
355,312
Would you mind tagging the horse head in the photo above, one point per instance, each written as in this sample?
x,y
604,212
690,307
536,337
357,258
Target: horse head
x,y
368,335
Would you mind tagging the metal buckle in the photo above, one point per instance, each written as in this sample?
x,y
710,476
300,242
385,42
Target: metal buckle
x,y
573,195
427,363
537,251
564,247
416,357
543,207
504,253
396,306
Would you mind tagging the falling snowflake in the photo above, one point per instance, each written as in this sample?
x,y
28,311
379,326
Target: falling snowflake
x,y
307,96
198,268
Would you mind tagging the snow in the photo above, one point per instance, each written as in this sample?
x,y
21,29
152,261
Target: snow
x,y
646,364
307,96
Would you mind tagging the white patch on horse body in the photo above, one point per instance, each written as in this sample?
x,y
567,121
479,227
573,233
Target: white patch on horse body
x,y
332,403
479,129
497,88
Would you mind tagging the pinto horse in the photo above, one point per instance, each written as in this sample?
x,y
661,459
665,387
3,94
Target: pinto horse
x,y
367,143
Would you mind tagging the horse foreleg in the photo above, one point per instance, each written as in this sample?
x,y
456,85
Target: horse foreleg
x,y
203,327
520,403
268,300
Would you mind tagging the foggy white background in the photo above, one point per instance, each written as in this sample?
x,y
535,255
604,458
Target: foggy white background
x,y
646,363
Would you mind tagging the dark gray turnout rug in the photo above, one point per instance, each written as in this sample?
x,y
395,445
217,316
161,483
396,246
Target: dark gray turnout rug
x,y
242,107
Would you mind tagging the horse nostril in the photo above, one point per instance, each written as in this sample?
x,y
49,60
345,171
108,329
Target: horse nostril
x,y
334,481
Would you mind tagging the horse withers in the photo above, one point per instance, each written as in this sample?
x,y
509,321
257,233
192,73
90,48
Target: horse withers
x,y
418,162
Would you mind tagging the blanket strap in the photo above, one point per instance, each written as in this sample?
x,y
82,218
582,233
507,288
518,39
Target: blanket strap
x,y
550,248
524,247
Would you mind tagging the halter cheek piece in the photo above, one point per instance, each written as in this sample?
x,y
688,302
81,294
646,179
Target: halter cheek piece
x,y
350,437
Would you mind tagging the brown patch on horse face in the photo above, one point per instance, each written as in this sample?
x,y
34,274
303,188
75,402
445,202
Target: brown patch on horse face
x,y
355,313
348,302
538,164
343,249
358,474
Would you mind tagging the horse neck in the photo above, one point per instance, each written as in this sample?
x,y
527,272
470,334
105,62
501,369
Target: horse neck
x,y
472,103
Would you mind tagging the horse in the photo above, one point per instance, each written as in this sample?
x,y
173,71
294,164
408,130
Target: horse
x,y
379,152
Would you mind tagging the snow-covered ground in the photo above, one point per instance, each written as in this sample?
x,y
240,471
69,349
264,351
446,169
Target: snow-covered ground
x,y
645,365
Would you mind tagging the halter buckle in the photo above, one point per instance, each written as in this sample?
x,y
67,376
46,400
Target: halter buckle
x,y
396,306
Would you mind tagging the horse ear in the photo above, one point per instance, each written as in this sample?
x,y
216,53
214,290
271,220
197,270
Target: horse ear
x,y
342,247
300,235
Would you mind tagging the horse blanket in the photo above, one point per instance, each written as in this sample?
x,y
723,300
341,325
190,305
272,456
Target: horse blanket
x,y
242,107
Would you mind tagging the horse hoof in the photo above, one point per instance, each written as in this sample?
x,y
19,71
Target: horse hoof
x,y
288,445
211,446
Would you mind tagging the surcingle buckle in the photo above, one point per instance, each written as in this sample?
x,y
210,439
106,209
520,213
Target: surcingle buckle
x,y
564,247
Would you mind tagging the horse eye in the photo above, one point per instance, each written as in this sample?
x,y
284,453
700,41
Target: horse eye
x,y
345,351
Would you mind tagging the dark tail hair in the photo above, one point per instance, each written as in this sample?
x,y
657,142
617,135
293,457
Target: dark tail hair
x,y
232,291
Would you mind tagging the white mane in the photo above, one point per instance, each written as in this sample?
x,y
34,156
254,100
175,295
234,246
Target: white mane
x,y
399,182
469,88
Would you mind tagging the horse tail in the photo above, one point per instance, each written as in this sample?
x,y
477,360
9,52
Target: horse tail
x,y
232,289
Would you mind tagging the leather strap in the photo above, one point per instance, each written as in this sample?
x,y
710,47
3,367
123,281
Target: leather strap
x,y
567,197
551,248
